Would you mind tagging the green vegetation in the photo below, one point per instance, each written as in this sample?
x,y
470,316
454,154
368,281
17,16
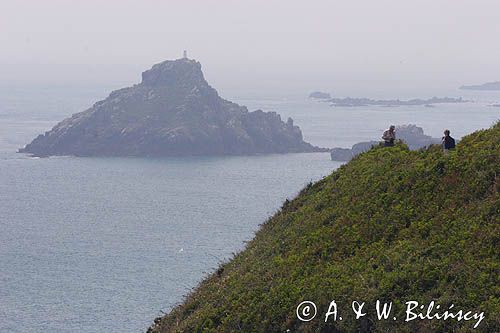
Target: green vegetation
x,y
392,224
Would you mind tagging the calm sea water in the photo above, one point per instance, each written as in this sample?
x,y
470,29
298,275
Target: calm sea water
x,y
107,244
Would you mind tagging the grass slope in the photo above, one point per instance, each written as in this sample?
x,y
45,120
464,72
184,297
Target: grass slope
x,y
392,224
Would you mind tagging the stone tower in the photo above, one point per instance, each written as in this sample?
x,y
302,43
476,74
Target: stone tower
x,y
184,55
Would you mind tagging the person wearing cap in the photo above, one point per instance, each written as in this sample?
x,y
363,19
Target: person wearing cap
x,y
389,136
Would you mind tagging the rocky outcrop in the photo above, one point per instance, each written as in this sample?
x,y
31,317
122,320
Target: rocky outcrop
x,y
484,86
346,154
357,102
319,95
412,135
172,112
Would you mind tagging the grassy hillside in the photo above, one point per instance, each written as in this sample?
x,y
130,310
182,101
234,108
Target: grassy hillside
x,y
392,224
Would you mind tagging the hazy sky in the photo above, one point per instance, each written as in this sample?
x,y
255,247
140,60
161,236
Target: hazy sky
x,y
290,45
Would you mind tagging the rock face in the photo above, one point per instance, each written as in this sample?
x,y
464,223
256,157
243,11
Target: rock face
x,y
484,86
412,135
172,112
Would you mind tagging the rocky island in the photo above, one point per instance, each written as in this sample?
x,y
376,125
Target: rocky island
x,y
484,86
319,95
356,102
172,112
412,135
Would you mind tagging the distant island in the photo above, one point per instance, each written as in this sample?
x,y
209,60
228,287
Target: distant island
x,y
484,86
356,102
412,135
319,95
172,112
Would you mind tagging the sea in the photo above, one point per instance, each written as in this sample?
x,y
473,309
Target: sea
x,y
108,244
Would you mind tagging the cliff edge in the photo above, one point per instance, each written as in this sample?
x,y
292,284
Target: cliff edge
x,y
391,225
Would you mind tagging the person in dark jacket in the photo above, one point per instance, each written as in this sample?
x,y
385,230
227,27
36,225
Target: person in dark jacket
x,y
448,142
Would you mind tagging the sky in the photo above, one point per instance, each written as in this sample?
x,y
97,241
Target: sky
x,y
345,46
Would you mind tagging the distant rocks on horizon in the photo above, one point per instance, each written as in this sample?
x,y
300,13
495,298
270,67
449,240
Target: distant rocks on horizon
x,y
319,95
358,102
485,86
172,112
412,135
